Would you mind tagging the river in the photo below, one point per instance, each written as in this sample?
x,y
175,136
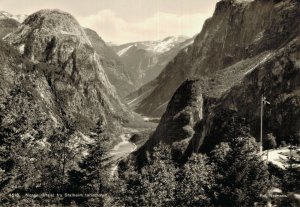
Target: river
x,y
120,151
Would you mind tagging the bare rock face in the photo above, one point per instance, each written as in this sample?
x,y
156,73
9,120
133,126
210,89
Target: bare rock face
x,y
9,23
112,64
278,79
7,26
73,71
246,50
183,111
238,30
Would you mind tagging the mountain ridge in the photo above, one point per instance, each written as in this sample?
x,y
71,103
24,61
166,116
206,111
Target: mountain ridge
x,y
19,18
144,60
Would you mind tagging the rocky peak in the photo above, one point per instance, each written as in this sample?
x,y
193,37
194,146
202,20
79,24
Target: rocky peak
x,y
183,111
78,78
56,22
43,29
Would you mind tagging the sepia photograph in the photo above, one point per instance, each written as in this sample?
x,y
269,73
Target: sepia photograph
x,y
160,103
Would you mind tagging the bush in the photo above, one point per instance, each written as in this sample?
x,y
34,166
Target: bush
x,y
283,144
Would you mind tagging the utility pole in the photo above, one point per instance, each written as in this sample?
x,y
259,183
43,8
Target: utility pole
x,y
261,123
263,102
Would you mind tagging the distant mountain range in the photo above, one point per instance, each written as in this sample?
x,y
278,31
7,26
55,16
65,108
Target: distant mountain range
x,y
145,60
19,18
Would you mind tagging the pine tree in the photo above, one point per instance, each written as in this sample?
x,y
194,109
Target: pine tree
x,y
92,174
154,185
270,142
22,126
291,178
242,176
195,182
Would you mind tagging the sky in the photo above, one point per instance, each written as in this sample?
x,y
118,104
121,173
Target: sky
x,y
122,21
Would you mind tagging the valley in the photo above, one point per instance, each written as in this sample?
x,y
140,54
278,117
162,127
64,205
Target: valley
x,y
175,121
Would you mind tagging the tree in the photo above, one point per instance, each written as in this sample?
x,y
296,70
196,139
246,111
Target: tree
x,y
270,142
154,185
295,139
291,178
283,143
22,125
195,182
91,176
241,175
60,159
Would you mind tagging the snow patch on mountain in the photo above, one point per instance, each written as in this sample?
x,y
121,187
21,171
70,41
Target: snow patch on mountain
x,y
123,51
156,47
19,18
162,46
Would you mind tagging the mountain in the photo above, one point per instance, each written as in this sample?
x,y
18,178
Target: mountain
x,y
19,18
8,23
247,50
145,60
65,71
112,64
7,26
227,38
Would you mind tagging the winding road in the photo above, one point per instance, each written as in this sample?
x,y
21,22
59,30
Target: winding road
x,y
277,157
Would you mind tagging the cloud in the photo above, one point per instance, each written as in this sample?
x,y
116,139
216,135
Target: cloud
x,y
113,28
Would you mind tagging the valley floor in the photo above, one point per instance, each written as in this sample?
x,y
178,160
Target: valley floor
x,y
121,151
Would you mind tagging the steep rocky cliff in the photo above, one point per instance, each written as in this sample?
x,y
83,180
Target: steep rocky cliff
x,y
71,78
237,30
7,25
112,64
278,79
241,54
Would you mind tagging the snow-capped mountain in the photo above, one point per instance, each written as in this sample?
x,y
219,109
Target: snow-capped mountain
x,y
157,47
19,18
145,60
